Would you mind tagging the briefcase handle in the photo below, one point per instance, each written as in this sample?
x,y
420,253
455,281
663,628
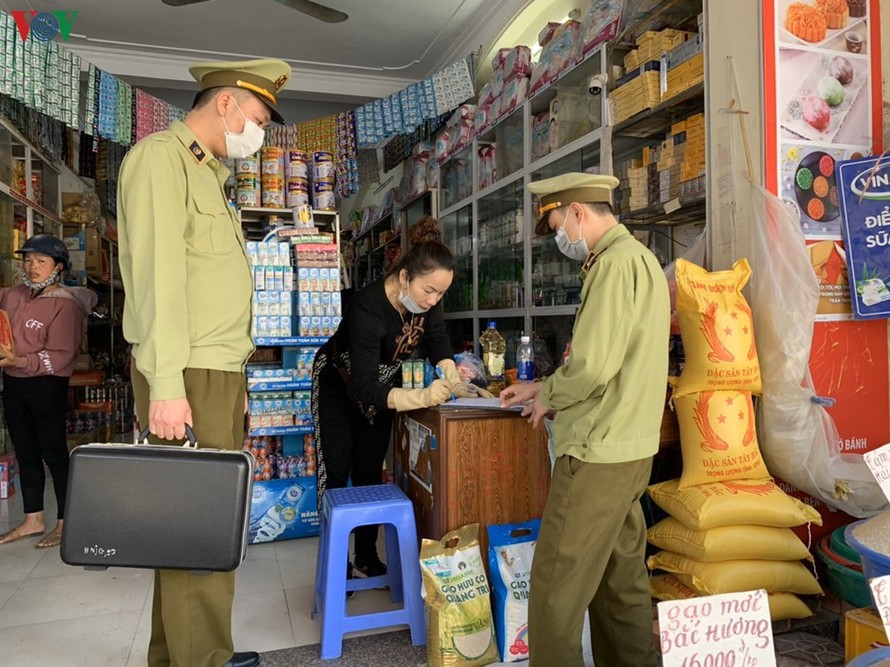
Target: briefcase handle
x,y
191,441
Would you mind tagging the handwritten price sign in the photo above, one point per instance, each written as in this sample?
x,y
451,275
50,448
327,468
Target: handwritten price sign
x,y
731,630
880,588
878,461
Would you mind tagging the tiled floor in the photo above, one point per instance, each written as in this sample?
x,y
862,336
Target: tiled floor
x,y
55,615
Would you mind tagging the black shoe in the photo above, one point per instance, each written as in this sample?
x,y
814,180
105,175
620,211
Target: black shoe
x,y
248,659
370,568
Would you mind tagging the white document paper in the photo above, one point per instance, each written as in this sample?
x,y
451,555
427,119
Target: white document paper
x,y
484,403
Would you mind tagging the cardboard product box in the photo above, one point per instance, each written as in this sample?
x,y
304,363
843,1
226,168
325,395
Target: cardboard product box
x,y
283,509
94,251
863,631
7,476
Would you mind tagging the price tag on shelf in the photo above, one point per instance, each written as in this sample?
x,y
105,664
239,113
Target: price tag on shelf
x,y
878,461
730,629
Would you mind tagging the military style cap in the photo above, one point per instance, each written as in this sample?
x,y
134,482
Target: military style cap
x,y
264,78
568,188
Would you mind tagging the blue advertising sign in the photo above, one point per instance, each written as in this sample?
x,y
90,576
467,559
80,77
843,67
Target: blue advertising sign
x,y
864,187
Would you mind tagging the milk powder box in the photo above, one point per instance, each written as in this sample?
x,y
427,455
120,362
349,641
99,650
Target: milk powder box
x,y
263,326
326,304
303,280
274,303
305,326
335,304
273,325
287,324
326,327
262,306
316,304
284,253
314,285
288,279
324,282
7,475
252,252
286,305
259,278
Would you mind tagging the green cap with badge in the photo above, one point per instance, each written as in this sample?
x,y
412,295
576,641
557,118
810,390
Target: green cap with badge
x,y
565,189
263,77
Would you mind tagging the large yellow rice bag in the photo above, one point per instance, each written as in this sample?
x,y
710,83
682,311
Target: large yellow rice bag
x,y
736,576
728,542
782,606
717,330
460,630
750,501
718,438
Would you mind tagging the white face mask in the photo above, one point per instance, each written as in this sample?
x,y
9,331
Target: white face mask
x,y
408,301
576,250
247,142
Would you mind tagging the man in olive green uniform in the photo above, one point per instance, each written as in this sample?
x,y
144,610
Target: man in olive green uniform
x,y
188,287
608,400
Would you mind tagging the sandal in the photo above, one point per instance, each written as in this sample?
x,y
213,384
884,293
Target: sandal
x,y
51,539
17,534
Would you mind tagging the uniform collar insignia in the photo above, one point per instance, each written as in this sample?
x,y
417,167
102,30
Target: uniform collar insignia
x,y
197,151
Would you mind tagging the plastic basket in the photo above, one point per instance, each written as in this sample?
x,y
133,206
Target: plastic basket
x,y
845,580
874,564
841,548
872,658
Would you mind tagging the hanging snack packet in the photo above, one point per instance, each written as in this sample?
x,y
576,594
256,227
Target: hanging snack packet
x,y
460,632
510,553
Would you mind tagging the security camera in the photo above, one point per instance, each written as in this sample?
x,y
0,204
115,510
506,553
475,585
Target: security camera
x,y
597,83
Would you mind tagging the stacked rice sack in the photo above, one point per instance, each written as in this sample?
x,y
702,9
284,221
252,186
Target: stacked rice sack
x,y
729,528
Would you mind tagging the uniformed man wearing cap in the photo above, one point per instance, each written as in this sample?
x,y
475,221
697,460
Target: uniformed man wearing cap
x,y
188,286
608,400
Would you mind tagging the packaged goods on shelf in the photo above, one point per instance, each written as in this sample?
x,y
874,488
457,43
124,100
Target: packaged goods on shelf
x,y
687,74
557,55
283,509
487,165
514,93
600,24
540,135
652,45
635,92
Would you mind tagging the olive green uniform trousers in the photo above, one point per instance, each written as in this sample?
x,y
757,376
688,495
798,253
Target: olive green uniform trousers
x,y
191,618
590,556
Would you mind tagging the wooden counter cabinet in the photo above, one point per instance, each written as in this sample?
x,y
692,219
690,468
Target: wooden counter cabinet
x,y
463,466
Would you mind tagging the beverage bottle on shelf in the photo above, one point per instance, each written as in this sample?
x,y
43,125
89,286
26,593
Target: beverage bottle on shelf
x,y
525,360
494,350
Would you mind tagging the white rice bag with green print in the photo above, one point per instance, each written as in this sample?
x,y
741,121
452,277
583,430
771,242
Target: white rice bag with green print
x,y
460,631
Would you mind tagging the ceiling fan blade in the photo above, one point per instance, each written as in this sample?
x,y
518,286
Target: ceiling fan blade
x,y
181,3
315,10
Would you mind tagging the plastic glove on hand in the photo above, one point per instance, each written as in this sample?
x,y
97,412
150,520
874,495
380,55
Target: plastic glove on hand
x,y
459,388
415,399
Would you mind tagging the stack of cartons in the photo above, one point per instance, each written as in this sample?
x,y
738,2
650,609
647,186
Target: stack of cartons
x,y
635,92
638,180
693,164
651,45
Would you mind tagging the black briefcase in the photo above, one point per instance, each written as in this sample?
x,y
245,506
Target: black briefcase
x,y
157,506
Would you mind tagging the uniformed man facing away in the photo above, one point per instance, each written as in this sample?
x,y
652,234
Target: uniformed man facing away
x,y
188,286
608,399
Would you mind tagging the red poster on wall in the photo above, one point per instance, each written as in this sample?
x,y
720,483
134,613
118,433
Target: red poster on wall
x,y
823,104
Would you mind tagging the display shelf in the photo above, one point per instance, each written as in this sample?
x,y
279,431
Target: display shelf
x,y
379,224
657,120
290,341
281,430
265,210
677,211
22,199
301,385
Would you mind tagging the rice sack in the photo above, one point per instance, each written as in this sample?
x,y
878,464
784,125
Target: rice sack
x,y
511,548
460,631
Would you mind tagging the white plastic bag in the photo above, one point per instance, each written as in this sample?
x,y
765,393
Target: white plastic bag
x,y
798,438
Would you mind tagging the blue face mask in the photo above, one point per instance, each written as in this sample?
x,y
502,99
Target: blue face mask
x,y
408,301
576,250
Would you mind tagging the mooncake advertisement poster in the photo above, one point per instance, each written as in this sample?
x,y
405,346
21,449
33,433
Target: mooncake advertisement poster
x,y
808,185
822,80
830,266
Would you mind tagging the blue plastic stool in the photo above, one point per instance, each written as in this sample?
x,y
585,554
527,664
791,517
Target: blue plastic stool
x,y
342,511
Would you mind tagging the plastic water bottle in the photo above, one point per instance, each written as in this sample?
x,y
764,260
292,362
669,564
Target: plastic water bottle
x,y
494,351
525,360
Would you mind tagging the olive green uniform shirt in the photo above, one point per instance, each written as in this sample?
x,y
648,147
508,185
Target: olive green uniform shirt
x,y
610,394
186,275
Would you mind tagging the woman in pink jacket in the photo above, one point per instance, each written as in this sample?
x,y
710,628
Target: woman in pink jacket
x,y
47,327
